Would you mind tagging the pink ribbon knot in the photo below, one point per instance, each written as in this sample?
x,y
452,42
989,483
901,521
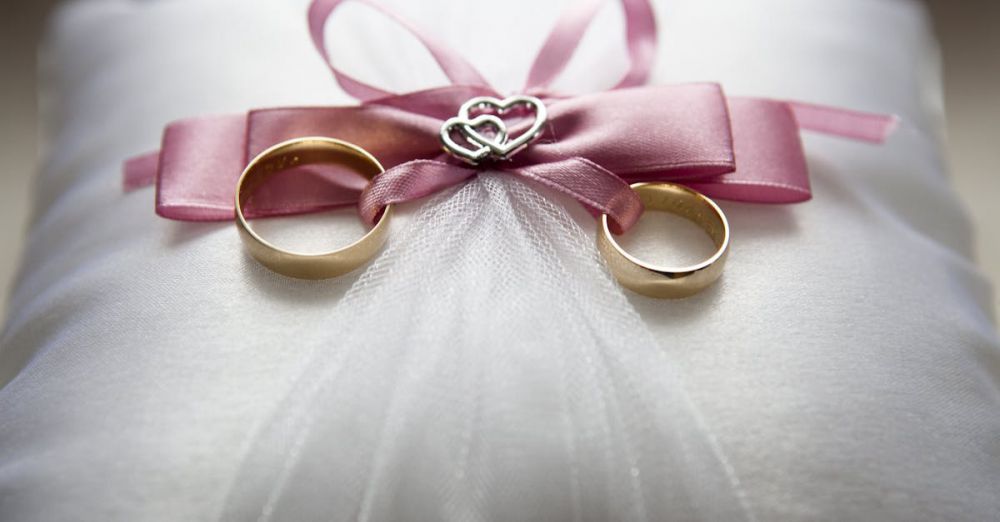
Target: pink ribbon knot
x,y
592,146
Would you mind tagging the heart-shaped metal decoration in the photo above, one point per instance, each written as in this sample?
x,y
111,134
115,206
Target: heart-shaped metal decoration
x,y
478,151
500,145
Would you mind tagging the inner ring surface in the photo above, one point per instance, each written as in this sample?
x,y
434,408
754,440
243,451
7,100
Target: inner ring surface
x,y
683,202
297,153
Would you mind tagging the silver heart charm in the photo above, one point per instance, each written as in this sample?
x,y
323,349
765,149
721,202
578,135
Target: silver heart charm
x,y
500,146
467,128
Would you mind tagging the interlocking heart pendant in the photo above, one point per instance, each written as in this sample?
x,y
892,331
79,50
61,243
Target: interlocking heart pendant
x,y
497,145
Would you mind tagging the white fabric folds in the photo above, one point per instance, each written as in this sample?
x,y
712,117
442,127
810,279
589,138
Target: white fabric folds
x,y
486,366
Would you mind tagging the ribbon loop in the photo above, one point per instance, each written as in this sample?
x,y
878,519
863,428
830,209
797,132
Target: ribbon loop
x,y
562,42
456,68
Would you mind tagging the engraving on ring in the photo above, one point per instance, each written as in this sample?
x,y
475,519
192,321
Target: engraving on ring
x,y
484,136
280,163
670,282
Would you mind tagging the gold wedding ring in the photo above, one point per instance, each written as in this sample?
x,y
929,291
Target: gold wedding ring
x,y
296,153
669,282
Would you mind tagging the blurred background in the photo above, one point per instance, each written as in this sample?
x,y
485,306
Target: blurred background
x,y
969,32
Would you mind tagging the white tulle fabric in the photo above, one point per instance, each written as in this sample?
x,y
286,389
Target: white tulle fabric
x,y
558,405
485,367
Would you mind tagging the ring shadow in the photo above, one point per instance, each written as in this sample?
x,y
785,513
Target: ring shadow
x,y
307,292
184,232
287,289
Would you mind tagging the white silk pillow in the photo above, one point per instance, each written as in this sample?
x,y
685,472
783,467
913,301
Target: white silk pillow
x,y
846,364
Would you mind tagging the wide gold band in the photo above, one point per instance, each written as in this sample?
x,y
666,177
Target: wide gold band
x,y
295,153
669,282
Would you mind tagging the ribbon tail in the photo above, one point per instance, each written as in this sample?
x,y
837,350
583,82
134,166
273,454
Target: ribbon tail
x,y
857,125
140,171
190,170
771,162
599,190
200,161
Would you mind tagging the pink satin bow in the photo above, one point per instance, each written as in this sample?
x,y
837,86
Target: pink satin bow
x,y
593,146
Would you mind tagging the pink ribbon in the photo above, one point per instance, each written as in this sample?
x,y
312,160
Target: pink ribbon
x,y
592,146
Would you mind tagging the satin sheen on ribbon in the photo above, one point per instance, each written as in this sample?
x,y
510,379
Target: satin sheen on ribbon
x,y
592,147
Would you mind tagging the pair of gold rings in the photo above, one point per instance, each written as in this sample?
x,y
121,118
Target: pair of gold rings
x,y
642,277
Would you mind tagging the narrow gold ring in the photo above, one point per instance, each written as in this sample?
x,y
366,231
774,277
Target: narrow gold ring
x,y
295,153
669,282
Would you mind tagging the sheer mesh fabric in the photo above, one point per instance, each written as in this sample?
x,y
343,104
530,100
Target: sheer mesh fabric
x,y
486,367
